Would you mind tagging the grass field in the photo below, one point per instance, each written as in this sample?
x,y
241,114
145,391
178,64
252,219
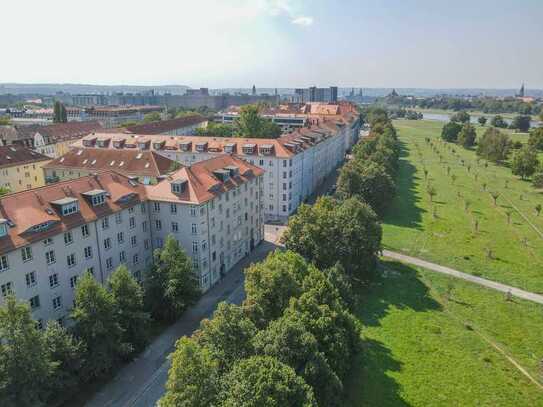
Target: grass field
x,y
474,113
444,231
429,343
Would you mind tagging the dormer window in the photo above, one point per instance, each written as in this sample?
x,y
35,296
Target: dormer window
x,y
102,142
179,186
143,144
230,148
97,196
3,227
89,142
158,145
119,143
201,147
67,206
223,174
233,170
248,148
185,145
266,149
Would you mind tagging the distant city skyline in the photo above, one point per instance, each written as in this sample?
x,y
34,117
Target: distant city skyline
x,y
276,43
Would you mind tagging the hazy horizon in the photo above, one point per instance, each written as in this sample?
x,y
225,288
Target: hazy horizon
x,y
282,43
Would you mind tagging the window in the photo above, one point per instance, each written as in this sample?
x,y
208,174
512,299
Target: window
x,y
34,302
50,257
53,280
173,208
109,263
122,256
70,259
131,210
68,238
70,208
146,244
31,279
85,230
158,224
120,237
98,200
118,217
284,174
194,229
284,208
26,253
73,281
193,211
88,252
48,241
133,241
159,242
105,223
107,243
144,225
135,259
57,302
204,244
156,206
90,270
195,264
175,227
7,289
195,247
132,222
143,209
284,163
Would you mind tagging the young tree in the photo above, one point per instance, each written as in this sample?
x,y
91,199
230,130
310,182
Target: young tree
x,y
537,209
494,145
265,381
171,285
467,136
227,335
349,228
537,179
495,195
536,138
482,120
450,132
271,283
193,378
460,117
368,181
524,162
128,299
97,325
68,353
431,191
25,365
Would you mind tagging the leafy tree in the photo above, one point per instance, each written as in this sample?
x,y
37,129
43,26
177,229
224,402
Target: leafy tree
x,y
59,113
171,285
494,145
467,136
288,340
227,335
25,366
482,120
536,138
524,162
4,191
431,191
450,132
521,123
68,353
265,381
98,327
495,195
251,124
217,130
460,117
498,121
349,228
152,117
537,209
5,121
193,378
368,181
270,284
339,279
128,299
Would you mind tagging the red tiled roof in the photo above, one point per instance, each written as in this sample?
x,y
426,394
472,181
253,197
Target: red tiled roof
x,y
202,184
17,155
127,162
164,126
33,207
67,131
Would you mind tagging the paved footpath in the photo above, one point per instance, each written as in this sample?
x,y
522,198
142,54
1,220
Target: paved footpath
x,y
141,382
517,292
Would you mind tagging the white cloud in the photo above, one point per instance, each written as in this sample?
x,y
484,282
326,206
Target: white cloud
x,y
305,21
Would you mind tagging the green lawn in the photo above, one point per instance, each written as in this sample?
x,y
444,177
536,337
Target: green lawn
x,y
449,238
474,113
425,347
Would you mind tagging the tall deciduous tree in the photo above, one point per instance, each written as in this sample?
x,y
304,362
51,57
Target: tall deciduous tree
x,y
265,381
494,145
171,285
498,121
467,136
25,365
128,299
460,117
536,138
482,120
60,114
96,324
450,132
227,335
350,229
525,162
152,117
193,378
521,123
251,124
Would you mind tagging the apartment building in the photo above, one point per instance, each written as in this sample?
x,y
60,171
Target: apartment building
x,y
50,236
295,164
186,125
21,168
146,167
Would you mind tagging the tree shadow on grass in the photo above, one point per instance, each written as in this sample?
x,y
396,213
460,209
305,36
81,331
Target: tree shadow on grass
x,y
397,286
403,210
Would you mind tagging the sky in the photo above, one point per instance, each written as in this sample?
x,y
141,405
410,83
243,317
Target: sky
x,y
275,43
